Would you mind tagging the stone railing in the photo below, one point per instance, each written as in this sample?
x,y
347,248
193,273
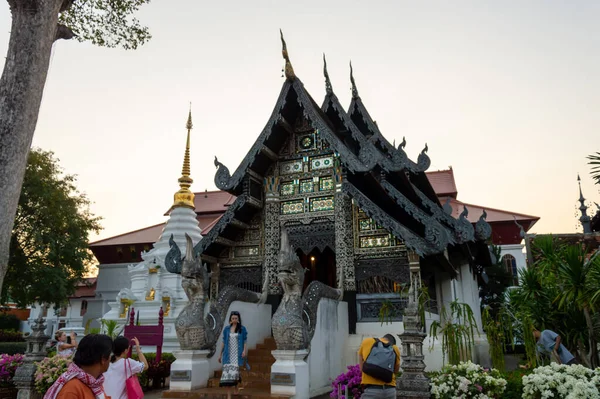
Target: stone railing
x,y
369,305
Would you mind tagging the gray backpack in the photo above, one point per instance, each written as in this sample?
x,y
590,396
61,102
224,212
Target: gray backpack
x,y
381,361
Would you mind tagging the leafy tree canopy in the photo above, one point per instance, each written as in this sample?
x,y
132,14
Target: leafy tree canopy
x,y
107,23
49,251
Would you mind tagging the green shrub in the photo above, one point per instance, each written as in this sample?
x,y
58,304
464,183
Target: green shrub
x,y
155,372
11,336
12,348
514,383
9,322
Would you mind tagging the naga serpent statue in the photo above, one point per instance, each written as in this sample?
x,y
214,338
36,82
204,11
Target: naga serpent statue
x,y
195,331
295,320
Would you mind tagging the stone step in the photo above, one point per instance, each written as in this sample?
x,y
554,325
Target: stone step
x,y
221,393
265,385
259,352
250,375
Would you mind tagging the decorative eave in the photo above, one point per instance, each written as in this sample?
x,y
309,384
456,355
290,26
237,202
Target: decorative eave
x,y
463,229
368,154
214,235
397,156
412,240
317,119
437,232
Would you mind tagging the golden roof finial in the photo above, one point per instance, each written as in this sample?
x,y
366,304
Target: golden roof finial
x,y
289,70
184,197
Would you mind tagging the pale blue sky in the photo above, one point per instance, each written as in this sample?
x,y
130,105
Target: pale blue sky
x,y
507,92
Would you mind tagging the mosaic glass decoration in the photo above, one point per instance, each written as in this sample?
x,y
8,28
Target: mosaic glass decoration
x,y
287,188
326,184
375,241
365,224
306,142
321,204
306,186
286,168
246,251
291,207
321,163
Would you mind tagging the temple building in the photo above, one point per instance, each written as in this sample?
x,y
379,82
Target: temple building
x,y
355,208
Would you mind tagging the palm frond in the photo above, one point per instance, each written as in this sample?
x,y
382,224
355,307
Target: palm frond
x,y
595,162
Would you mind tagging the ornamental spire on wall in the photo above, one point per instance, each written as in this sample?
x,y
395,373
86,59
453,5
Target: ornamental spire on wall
x,y
328,87
289,70
584,219
184,197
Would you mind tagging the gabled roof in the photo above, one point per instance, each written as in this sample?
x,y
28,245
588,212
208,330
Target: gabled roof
x,y
443,182
366,157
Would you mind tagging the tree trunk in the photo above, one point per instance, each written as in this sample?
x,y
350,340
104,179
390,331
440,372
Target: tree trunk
x,y
34,29
593,343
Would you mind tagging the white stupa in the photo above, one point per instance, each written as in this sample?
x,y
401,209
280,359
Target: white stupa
x,y
152,286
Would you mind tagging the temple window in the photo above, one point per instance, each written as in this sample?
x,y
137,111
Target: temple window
x,y
510,263
119,253
83,310
133,252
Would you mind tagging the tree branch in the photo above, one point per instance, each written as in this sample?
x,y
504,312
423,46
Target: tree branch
x,y
66,5
64,32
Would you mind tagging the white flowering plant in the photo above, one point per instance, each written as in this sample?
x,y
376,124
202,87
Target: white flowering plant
x,y
560,381
467,380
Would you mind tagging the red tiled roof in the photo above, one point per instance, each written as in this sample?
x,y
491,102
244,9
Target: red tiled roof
x,y
209,227
443,182
141,236
211,202
85,288
493,215
209,205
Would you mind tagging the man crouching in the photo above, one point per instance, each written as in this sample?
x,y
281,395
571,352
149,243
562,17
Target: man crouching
x,y
379,361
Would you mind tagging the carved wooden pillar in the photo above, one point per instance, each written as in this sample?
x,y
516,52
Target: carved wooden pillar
x,y
344,251
413,383
272,233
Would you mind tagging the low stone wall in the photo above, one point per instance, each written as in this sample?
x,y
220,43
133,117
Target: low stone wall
x,y
325,361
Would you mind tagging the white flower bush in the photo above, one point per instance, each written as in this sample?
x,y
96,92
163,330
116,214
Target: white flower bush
x,y
467,380
559,381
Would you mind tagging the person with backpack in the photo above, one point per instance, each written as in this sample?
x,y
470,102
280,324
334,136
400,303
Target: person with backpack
x,y
379,360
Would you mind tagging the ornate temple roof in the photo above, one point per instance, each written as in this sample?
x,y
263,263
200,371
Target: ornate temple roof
x,y
388,186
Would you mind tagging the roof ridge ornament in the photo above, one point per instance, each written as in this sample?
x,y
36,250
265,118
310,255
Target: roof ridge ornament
x,y
521,229
328,87
288,69
483,230
354,89
184,197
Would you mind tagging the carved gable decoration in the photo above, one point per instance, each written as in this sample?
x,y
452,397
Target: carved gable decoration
x,y
315,235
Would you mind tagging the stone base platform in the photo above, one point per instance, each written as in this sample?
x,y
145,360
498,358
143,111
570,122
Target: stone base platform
x,y
221,393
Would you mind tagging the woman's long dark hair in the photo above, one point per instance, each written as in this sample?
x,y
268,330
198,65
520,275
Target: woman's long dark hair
x,y
120,345
238,328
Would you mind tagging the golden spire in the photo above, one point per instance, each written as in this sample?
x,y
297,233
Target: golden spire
x,y
184,197
289,70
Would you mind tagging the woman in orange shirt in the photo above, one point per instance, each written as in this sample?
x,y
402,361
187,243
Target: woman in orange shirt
x,y
84,377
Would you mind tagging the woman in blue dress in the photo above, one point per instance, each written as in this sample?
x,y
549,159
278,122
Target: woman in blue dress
x,y
233,352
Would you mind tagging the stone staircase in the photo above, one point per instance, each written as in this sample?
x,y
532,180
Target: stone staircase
x,y
256,382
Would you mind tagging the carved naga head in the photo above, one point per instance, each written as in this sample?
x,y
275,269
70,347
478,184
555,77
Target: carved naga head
x,y
291,272
191,267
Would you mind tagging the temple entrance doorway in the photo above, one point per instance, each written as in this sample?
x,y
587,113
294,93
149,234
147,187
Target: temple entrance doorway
x,y
319,266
